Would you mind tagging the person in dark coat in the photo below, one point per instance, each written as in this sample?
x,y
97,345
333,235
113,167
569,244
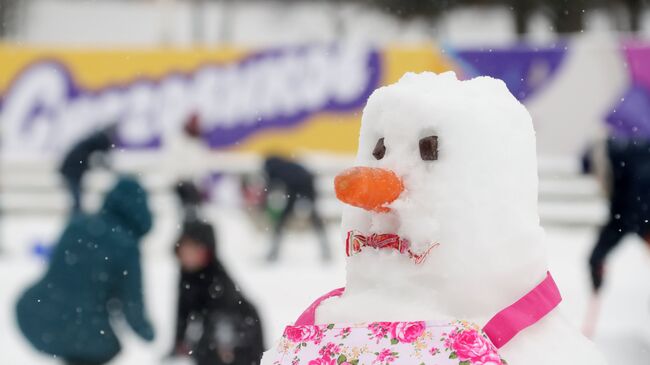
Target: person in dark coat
x,y
77,161
191,199
215,323
94,273
628,157
298,183
629,209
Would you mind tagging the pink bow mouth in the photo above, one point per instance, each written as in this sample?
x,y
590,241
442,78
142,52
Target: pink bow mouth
x,y
357,241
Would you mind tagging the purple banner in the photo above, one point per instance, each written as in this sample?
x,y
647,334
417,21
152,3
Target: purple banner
x,y
343,87
276,88
524,69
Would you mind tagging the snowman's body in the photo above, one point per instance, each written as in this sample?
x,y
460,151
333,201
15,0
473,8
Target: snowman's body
x,y
473,207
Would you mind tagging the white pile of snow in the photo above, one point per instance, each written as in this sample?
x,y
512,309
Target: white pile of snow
x,y
478,201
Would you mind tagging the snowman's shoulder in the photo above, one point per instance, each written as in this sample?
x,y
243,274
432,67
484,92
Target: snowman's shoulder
x,y
553,340
308,317
328,309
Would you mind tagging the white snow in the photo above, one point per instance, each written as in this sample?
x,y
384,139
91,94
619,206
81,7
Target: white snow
x,y
278,291
282,292
478,201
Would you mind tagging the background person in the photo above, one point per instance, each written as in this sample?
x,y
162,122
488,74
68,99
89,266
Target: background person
x,y
214,323
77,161
298,184
229,328
628,157
95,263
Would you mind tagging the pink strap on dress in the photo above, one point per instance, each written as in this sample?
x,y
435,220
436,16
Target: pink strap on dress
x,y
502,327
308,317
523,313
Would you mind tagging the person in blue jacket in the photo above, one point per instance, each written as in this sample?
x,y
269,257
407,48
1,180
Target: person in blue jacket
x,y
94,273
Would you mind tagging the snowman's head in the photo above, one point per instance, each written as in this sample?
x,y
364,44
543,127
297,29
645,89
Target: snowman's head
x,y
447,169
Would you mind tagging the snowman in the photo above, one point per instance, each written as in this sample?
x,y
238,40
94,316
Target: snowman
x,y
446,259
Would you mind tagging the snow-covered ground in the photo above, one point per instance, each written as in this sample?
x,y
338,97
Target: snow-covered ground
x,y
282,291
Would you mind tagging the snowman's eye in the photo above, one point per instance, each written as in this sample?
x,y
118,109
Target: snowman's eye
x,y
380,149
429,148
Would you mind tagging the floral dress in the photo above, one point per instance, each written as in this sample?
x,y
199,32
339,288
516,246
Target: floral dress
x,y
386,343
410,343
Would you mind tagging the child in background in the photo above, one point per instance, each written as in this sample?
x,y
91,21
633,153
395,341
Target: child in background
x,y
95,266
215,324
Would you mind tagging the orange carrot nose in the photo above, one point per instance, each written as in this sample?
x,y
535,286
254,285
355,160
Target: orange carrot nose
x,y
368,188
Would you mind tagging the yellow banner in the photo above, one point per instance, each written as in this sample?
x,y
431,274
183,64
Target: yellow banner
x,y
283,100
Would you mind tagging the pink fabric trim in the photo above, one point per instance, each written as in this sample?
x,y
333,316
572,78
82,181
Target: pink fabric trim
x,y
308,317
502,327
523,313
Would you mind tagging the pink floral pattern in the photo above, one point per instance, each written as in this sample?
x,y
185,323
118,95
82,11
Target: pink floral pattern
x,y
471,346
386,343
323,361
303,333
379,330
386,356
407,331
344,333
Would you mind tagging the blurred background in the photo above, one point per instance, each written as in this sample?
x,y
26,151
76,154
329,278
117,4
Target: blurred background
x,y
191,97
